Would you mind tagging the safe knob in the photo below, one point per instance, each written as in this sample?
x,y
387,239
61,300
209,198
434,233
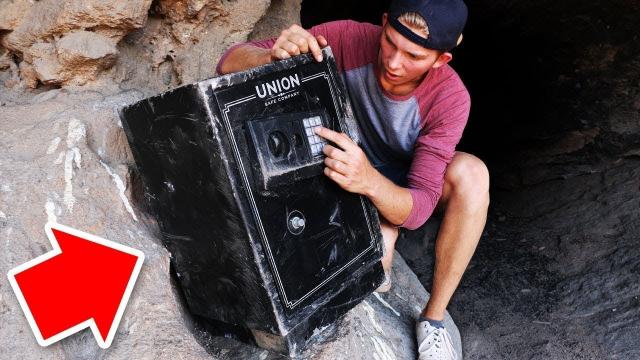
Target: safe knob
x,y
296,222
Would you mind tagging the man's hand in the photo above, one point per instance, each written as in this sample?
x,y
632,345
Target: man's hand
x,y
348,165
292,41
295,41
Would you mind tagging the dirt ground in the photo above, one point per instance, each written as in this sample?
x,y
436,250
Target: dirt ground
x,y
553,277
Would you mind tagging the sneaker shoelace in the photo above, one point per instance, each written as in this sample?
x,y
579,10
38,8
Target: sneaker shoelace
x,y
441,341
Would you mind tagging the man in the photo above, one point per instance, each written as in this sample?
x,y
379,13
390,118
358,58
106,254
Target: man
x,y
412,108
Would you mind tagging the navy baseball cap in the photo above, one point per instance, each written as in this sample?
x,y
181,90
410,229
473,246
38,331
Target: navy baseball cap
x,y
445,21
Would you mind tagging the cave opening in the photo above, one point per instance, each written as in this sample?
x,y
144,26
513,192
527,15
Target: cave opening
x,y
555,89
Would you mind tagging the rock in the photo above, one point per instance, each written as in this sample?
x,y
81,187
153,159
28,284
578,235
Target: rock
x,y
83,55
10,71
280,15
179,10
12,12
43,57
28,74
49,18
184,47
382,326
80,47
49,172
571,142
72,41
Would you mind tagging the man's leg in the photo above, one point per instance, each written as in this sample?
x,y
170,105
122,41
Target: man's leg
x,y
465,201
389,236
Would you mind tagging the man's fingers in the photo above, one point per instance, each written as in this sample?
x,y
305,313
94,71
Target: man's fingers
x,y
300,41
295,40
337,177
335,153
290,47
322,41
337,166
315,48
278,53
341,140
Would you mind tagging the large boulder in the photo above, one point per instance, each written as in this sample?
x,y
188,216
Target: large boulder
x,y
183,41
50,172
280,15
140,44
71,41
64,158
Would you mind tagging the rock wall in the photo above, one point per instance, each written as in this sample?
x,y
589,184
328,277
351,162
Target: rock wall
x,y
67,42
139,43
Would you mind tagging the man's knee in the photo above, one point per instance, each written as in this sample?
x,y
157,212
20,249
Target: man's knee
x,y
467,176
389,232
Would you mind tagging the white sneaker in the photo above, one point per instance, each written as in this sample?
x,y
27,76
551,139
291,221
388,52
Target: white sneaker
x,y
434,343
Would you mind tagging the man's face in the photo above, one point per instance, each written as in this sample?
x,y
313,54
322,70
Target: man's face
x,y
402,61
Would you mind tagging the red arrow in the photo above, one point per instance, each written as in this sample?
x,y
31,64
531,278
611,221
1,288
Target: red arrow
x,y
85,281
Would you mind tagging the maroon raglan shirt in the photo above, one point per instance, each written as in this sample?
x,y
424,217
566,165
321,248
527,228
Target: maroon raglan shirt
x,y
415,134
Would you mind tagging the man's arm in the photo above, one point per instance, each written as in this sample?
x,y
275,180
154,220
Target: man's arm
x,y
244,57
392,201
349,167
292,41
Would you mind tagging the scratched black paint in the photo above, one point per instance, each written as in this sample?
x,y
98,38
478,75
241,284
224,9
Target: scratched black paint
x,y
226,207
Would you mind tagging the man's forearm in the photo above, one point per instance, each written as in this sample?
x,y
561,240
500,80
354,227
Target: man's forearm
x,y
393,202
244,57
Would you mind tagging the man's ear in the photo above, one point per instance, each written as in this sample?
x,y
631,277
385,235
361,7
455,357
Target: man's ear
x,y
444,58
384,19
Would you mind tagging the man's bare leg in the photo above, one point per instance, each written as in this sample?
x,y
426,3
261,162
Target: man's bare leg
x,y
465,200
389,236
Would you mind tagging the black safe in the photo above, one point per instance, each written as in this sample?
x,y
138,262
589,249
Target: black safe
x,y
233,173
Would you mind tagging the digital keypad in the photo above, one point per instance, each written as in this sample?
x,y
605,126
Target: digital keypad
x,y
316,143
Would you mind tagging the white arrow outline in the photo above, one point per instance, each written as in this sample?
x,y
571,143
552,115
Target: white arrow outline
x,y
87,323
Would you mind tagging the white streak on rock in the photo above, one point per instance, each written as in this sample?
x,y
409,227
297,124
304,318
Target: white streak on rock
x,y
50,208
58,161
68,199
75,133
77,157
8,238
371,313
121,190
383,351
6,188
318,331
2,215
386,304
53,146
400,296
